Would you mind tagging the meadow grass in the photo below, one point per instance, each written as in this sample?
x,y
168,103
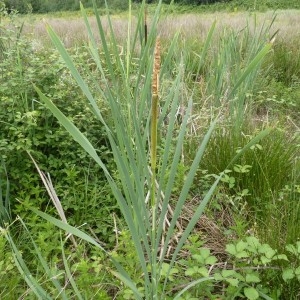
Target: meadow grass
x,y
194,26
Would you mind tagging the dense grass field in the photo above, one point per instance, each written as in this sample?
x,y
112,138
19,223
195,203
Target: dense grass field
x,y
150,154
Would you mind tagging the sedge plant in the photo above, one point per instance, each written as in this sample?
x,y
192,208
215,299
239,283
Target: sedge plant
x,y
127,81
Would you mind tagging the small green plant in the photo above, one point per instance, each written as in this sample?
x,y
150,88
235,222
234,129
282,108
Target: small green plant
x,y
294,271
248,271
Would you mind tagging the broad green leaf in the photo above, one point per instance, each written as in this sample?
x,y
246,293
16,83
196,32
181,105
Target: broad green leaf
x,y
297,273
252,277
241,246
191,271
265,248
205,253
230,248
253,243
242,254
233,281
228,273
218,277
288,274
203,271
281,256
199,258
291,248
251,293
166,271
211,260
265,260
270,253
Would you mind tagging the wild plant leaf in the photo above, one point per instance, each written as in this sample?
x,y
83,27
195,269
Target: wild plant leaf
x,y
253,244
231,249
288,274
241,246
281,256
251,293
252,278
211,260
228,273
232,281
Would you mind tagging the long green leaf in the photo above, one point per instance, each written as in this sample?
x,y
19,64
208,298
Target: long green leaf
x,y
69,275
190,285
251,66
68,61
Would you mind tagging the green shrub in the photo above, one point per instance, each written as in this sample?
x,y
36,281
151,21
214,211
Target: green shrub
x,y
27,126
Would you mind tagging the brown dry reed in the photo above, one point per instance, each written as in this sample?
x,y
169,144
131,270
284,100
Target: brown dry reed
x,y
192,26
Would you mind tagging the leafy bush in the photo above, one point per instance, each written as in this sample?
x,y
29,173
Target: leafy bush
x,y
26,126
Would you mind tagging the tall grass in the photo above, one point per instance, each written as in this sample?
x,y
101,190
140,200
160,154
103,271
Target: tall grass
x,y
129,76
5,212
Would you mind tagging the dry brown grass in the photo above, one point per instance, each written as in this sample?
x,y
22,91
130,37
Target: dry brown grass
x,y
193,26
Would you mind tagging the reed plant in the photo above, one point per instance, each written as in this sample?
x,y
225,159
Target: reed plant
x,y
235,67
142,119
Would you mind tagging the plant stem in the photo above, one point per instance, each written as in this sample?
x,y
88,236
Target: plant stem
x,y
153,154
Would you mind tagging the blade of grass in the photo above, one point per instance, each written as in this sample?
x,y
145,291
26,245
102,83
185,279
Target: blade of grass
x,y
5,215
66,57
69,274
251,66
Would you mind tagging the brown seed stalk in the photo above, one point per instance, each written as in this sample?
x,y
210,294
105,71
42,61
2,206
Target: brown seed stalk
x,y
154,115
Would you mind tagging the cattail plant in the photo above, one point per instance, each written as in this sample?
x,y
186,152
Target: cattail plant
x,y
130,128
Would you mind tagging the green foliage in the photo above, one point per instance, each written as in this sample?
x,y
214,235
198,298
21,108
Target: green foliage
x,y
260,186
262,171
286,62
27,126
11,283
249,265
45,6
66,275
